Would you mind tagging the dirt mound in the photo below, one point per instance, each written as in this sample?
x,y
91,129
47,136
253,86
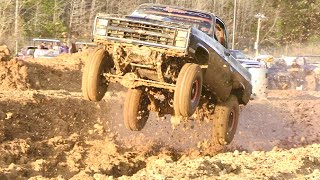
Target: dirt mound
x,y
54,76
57,133
297,163
13,75
4,53
22,75
61,73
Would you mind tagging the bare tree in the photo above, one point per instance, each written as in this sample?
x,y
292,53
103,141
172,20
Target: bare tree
x,y
6,18
16,24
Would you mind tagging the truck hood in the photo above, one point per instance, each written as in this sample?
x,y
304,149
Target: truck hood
x,y
162,21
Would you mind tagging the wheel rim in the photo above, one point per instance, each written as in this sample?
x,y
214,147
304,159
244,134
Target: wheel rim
x,y
231,122
194,91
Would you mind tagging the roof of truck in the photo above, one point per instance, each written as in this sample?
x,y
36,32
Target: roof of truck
x,y
45,40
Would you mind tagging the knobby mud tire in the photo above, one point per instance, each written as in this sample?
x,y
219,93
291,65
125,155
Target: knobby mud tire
x,y
188,90
136,111
94,85
225,121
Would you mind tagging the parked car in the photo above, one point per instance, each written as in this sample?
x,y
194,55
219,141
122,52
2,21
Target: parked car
x,y
309,62
46,48
258,73
283,76
244,60
41,48
26,52
311,67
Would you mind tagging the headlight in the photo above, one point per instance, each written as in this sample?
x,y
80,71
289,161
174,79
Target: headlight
x,y
182,34
101,31
180,42
181,38
102,22
101,27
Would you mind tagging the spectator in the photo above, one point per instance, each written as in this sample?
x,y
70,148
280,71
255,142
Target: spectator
x,y
43,44
295,64
38,52
64,48
73,48
56,47
51,52
30,52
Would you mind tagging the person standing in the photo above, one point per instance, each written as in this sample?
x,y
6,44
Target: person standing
x,y
39,51
64,48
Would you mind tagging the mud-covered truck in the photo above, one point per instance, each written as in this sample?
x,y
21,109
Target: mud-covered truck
x,y
173,61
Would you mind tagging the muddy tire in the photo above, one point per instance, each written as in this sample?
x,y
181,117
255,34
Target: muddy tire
x,y
136,111
225,121
85,80
188,90
94,85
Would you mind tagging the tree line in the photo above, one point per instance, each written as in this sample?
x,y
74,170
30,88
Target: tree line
x,y
287,21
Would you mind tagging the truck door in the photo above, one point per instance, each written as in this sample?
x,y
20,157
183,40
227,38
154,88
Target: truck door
x,y
218,75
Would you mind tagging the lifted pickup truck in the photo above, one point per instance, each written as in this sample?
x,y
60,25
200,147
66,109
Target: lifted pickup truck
x,y
173,61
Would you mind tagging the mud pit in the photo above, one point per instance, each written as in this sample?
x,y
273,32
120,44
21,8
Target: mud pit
x,y
48,131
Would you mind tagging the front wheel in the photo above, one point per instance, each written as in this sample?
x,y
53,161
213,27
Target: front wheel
x,y
225,121
188,90
135,110
94,84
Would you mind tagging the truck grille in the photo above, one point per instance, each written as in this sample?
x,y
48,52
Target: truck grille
x,y
140,31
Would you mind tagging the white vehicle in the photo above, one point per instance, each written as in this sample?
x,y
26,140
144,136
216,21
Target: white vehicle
x,y
47,48
258,73
244,60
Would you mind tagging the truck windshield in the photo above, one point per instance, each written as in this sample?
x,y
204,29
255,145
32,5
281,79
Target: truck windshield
x,y
199,20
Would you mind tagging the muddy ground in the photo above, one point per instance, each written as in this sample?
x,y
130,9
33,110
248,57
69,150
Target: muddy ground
x,y
47,131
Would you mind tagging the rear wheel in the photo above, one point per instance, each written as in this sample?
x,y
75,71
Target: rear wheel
x,y
136,111
94,84
225,121
188,90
